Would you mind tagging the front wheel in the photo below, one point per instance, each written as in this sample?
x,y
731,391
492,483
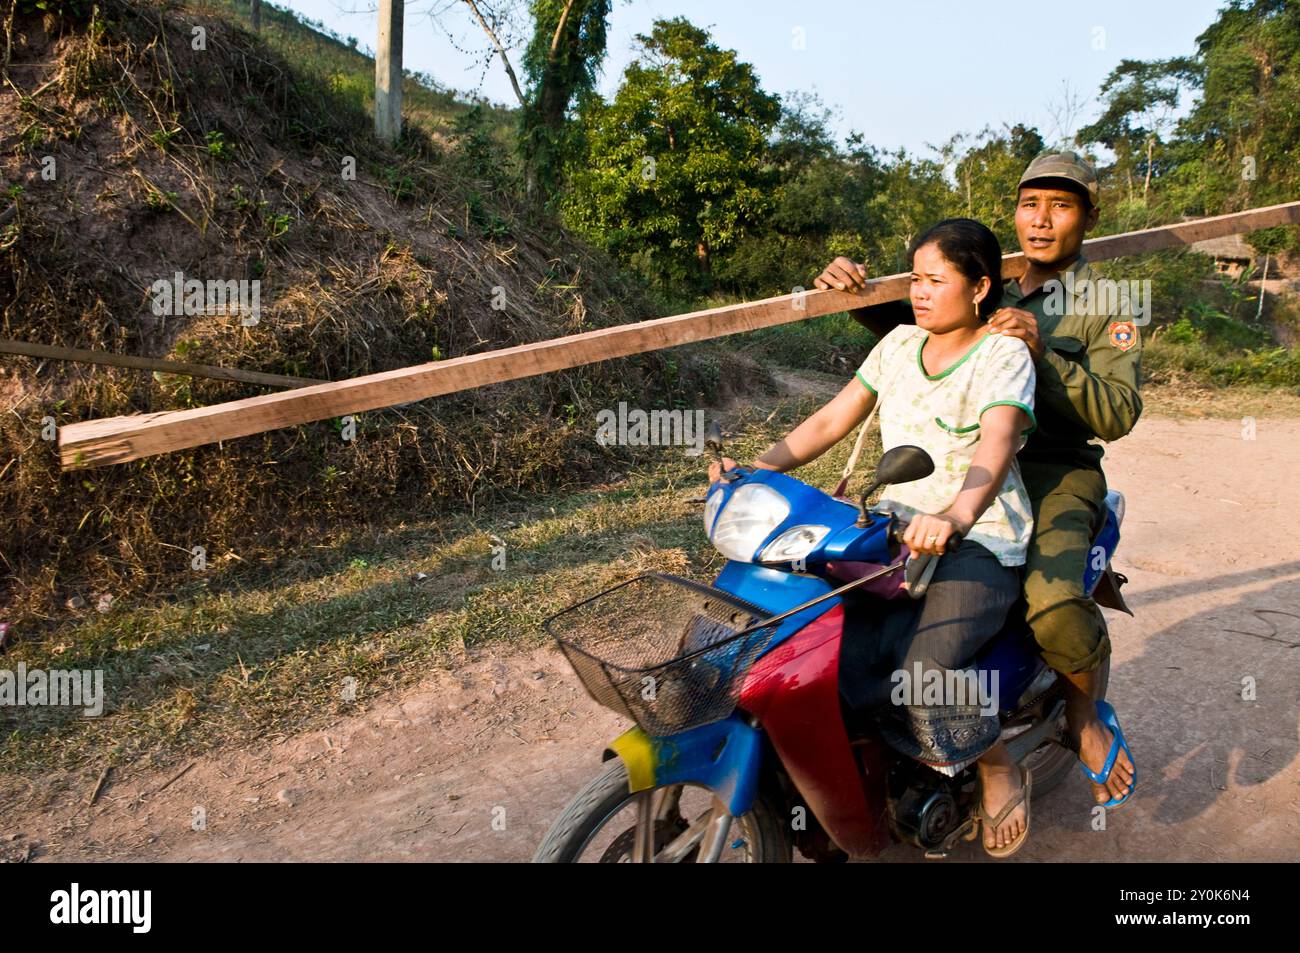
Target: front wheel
x,y
605,823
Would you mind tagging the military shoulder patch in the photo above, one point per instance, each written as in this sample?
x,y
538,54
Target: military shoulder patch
x,y
1123,335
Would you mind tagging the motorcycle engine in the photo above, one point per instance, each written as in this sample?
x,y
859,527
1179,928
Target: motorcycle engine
x,y
925,807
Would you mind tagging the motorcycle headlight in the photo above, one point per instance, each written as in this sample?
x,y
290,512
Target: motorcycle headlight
x,y
751,514
793,544
711,509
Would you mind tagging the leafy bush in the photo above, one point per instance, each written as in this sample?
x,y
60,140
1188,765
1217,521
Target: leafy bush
x,y
72,10
1215,348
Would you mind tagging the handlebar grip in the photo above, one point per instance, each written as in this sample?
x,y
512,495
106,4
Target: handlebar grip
x,y
899,527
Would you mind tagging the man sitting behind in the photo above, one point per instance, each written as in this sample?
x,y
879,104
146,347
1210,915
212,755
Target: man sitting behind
x,y
1086,360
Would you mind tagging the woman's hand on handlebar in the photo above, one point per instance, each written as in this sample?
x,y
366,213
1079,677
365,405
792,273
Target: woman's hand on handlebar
x,y
931,534
715,471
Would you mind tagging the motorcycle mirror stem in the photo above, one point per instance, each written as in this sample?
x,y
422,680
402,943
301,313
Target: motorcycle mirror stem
x,y
864,518
713,440
901,464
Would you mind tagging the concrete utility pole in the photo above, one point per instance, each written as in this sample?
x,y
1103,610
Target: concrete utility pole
x,y
255,15
388,72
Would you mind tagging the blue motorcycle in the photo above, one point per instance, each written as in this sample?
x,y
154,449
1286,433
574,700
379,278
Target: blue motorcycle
x,y
744,747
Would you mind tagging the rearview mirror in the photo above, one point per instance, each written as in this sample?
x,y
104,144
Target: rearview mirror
x,y
901,464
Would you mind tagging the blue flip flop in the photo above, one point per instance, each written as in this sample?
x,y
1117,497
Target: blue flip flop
x,y
1107,715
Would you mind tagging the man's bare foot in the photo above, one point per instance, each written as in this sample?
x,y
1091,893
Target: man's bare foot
x,y
999,783
1092,739
1094,745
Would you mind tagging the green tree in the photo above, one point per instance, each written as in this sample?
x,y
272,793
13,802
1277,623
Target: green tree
x,y
987,173
818,210
913,195
673,170
1239,145
1140,99
561,62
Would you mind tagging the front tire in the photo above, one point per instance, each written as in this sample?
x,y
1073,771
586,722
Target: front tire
x,y
760,833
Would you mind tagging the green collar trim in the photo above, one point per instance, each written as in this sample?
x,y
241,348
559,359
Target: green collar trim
x,y
951,367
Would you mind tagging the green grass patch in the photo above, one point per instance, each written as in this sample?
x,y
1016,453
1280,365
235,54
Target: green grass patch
x,y
1213,348
831,343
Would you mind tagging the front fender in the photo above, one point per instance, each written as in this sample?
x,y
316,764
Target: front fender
x,y
724,756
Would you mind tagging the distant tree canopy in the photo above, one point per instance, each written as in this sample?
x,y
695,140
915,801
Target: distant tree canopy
x,y
700,180
986,177
703,182
672,170
1239,144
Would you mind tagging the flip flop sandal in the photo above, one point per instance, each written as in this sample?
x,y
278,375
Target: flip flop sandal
x,y
993,822
1106,713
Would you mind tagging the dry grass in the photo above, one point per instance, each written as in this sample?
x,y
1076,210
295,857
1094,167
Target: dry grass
x,y
1189,398
223,665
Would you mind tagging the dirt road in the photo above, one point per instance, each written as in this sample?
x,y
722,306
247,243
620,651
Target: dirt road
x,y
475,764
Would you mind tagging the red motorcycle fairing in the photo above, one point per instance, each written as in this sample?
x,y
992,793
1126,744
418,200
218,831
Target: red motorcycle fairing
x,y
794,692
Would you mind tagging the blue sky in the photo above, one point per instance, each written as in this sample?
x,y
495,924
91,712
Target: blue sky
x,y
905,73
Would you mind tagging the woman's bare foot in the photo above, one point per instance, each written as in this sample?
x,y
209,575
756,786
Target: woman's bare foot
x,y
1000,781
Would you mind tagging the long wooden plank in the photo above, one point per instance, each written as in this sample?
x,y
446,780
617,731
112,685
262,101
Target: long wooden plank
x,y
85,356
119,439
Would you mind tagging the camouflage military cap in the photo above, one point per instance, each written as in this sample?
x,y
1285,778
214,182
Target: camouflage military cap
x,y
1063,165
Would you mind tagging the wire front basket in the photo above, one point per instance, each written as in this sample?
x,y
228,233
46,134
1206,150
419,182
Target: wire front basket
x,y
669,653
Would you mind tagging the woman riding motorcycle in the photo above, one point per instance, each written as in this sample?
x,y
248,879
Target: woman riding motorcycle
x,y
965,395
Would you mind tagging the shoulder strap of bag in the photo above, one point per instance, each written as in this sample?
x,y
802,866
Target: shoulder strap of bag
x,y
862,438
857,450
